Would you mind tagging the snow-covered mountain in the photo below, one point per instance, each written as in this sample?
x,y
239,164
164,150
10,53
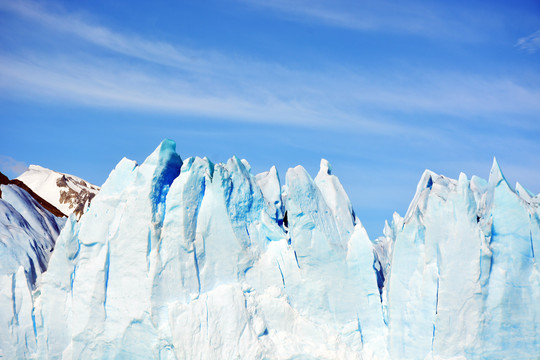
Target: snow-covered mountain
x,y
69,193
27,235
195,260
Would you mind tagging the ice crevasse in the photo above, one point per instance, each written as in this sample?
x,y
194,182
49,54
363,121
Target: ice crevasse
x,y
194,260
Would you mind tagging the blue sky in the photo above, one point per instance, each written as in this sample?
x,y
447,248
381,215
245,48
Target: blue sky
x,y
382,90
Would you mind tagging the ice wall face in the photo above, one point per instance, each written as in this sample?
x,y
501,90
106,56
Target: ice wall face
x,y
193,260
463,279
101,267
27,236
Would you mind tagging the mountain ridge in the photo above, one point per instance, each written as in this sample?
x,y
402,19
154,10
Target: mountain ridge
x,y
4,180
68,193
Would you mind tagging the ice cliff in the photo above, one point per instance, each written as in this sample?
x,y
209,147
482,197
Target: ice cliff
x,y
194,260
463,280
27,235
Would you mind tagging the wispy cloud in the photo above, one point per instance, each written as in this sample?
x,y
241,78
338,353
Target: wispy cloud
x,y
180,80
317,11
192,82
530,43
108,84
11,167
424,19
454,93
150,50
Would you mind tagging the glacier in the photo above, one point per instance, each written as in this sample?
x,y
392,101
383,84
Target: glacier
x,y
187,259
27,235
463,280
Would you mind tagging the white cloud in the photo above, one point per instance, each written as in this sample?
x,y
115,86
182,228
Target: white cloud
x,y
319,12
97,83
530,43
11,167
185,81
455,93
130,45
419,18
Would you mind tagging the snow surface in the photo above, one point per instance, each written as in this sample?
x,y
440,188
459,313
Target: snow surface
x,y
195,260
68,193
